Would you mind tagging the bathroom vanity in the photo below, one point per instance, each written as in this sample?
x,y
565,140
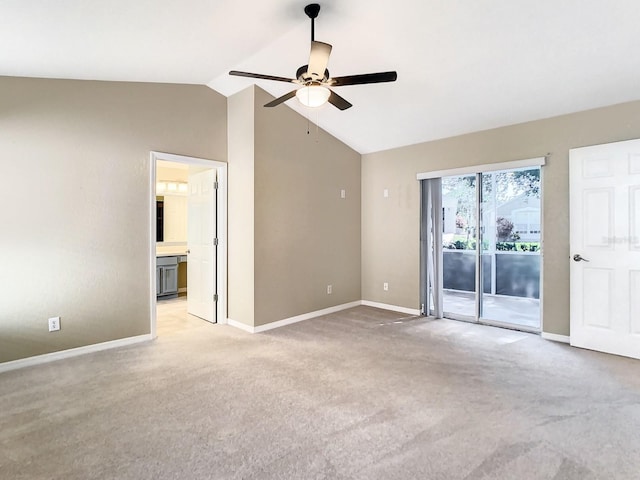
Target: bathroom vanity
x,y
167,274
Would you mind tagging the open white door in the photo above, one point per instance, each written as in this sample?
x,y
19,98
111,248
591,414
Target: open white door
x,y
605,248
201,240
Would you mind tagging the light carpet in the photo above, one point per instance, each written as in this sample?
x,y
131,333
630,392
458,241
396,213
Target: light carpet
x,y
360,394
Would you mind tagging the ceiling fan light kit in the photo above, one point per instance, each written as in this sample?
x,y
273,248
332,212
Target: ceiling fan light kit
x,y
313,95
314,77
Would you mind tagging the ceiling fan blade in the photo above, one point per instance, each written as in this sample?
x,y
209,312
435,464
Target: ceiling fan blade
x,y
362,79
263,77
282,99
318,59
339,102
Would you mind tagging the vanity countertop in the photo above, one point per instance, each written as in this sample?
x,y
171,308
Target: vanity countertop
x,y
171,250
177,253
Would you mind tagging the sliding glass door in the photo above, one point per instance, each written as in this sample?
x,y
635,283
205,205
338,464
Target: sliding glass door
x,y
459,209
489,241
510,239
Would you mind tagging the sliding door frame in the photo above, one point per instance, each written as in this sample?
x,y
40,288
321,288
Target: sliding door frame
x,y
478,171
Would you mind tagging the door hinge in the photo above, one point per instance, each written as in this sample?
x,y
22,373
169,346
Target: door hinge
x,y
215,297
215,242
215,185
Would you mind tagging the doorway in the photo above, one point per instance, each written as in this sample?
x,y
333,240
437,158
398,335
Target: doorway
x,y
481,244
196,238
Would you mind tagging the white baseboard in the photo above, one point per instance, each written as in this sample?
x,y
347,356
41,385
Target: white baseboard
x,y
291,320
555,337
240,325
393,308
305,316
72,352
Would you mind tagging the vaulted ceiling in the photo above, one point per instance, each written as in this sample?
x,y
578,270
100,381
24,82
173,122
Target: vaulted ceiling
x,y
463,65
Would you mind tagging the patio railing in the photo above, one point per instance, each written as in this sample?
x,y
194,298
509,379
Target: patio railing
x,y
514,274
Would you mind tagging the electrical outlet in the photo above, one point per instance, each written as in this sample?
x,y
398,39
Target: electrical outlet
x,y
385,286
54,324
343,193
329,289
385,193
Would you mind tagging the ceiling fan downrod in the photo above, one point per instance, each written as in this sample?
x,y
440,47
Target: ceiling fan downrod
x,y
312,11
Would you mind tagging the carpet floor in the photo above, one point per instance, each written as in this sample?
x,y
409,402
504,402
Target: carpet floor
x,y
360,394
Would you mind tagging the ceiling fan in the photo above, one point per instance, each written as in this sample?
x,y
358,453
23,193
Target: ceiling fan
x,y
314,78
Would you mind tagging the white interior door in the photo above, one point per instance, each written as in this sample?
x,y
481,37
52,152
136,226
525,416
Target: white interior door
x,y
605,248
201,235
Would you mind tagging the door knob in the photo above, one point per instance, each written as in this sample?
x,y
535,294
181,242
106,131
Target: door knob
x,y
578,258
189,251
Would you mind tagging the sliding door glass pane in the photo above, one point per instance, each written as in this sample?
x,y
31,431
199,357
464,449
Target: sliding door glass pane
x,y
510,237
459,246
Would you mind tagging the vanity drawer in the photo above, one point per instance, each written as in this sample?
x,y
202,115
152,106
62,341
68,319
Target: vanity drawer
x,y
162,261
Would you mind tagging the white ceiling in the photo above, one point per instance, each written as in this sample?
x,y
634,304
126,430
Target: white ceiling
x,y
463,65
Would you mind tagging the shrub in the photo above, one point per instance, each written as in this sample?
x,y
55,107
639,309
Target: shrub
x,y
504,227
460,245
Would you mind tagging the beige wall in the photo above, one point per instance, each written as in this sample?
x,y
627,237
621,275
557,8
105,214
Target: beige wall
x,y
82,253
306,236
290,233
75,202
390,226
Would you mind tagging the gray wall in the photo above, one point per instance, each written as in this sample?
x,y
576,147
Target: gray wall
x,y
390,226
75,200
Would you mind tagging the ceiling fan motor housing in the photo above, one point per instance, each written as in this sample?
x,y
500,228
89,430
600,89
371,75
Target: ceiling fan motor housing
x,y
306,78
